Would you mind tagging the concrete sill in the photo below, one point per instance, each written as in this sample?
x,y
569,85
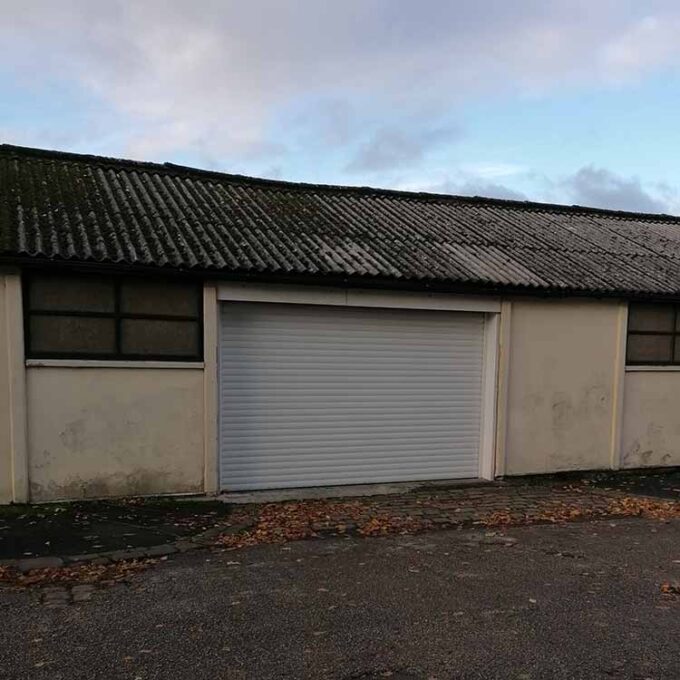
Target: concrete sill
x,y
652,369
94,363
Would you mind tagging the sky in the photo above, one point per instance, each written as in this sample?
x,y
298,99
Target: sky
x,y
564,101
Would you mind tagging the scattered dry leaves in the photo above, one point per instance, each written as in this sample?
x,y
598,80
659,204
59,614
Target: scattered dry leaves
x,y
383,524
646,507
291,521
282,522
628,506
76,573
670,588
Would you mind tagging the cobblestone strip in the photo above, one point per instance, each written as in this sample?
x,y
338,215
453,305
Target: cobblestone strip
x,y
56,597
409,512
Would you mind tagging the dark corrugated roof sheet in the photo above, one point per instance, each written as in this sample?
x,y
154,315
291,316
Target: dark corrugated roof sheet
x,y
75,208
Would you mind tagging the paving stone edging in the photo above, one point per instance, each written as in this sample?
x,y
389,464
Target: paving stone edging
x,y
181,545
446,508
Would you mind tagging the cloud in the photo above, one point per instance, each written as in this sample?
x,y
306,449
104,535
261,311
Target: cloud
x,y
590,186
601,188
216,76
361,91
391,148
648,43
464,185
488,189
494,170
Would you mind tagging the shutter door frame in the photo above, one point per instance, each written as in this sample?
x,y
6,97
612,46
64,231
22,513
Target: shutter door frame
x,y
488,389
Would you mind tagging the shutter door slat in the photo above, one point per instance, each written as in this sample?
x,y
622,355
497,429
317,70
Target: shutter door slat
x,y
313,395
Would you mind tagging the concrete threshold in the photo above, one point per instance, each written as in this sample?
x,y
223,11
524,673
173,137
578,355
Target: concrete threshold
x,y
322,492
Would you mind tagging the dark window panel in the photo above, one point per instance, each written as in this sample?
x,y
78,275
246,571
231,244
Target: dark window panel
x,y
162,298
650,348
160,338
644,316
72,335
86,316
71,294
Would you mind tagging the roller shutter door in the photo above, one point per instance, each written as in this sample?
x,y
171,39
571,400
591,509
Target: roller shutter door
x,y
314,395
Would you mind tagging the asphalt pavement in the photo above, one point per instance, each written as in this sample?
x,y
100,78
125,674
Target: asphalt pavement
x,y
577,601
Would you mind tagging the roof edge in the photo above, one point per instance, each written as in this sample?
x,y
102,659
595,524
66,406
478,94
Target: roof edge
x,y
332,280
177,170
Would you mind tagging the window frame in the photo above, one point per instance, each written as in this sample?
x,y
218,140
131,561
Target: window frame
x,y
117,315
673,334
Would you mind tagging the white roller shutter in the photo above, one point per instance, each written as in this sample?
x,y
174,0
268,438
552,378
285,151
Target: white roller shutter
x,y
313,395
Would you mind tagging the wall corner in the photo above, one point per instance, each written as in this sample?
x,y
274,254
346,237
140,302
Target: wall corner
x,y
210,392
14,328
618,387
502,383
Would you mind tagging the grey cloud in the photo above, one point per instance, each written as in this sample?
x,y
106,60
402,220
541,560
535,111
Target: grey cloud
x,y
487,189
390,148
330,122
462,184
213,76
590,186
601,188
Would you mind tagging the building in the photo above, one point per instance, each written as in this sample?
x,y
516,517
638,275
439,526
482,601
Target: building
x,y
170,330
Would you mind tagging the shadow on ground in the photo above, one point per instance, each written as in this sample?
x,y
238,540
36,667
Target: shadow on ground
x,y
100,526
655,483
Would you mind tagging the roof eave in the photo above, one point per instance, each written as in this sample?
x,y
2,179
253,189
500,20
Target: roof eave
x,y
330,280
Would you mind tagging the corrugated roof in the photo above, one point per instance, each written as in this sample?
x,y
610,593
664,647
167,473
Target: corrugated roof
x,y
88,209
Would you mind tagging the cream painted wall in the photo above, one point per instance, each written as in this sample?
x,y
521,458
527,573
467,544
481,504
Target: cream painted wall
x,y
651,419
13,470
562,371
97,432
107,431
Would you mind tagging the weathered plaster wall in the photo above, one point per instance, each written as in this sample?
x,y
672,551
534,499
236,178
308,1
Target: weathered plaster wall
x,y
97,432
562,377
13,470
5,427
651,419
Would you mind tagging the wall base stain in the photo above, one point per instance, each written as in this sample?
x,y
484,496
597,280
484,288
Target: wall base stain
x,y
136,483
